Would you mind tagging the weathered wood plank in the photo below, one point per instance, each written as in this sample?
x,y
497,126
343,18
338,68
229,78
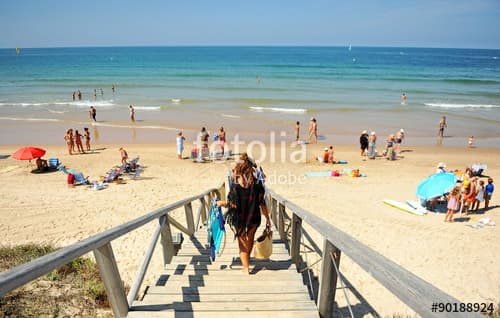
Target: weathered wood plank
x,y
230,306
256,288
225,314
214,298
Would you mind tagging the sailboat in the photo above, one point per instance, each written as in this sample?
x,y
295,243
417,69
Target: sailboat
x,y
350,47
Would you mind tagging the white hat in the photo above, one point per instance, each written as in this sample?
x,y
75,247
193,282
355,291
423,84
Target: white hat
x,y
373,133
402,130
326,149
312,118
364,132
441,165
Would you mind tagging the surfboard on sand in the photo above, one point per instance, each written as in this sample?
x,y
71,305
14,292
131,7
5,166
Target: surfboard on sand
x,y
416,205
403,207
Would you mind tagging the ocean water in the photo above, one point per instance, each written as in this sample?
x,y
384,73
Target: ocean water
x,y
251,91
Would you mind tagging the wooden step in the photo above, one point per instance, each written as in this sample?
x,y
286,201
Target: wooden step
x,y
269,276
224,305
255,266
164,299
224,314
256,288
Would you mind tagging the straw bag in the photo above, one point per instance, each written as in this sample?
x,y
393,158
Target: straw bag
x,y
264,245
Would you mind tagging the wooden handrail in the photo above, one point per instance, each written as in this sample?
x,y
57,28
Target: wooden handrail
x,y
100,244
409,288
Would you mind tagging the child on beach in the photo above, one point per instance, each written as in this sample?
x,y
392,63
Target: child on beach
x,y
124,155
479,196
330,155
180,144
453,199
78,141
86,134
488,192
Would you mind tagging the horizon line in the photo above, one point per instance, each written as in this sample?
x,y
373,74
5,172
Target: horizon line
x,y
243,45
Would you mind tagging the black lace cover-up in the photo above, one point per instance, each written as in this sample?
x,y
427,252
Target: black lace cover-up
x,y
248,202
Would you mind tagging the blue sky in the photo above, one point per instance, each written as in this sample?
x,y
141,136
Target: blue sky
x,y
424,23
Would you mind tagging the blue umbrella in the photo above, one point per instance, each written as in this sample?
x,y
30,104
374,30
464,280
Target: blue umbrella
x,y
436,185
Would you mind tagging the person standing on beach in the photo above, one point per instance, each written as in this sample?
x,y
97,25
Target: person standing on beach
x,y
203,136
132,113
86,134
453,200
488,192
363,143
400,136
297,131
124,155
313,131
78,141
403,99
180,144
222,139
68,138
93,113
442,126
246,201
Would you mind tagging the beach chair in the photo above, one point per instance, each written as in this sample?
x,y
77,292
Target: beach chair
x,y
80,179
112,175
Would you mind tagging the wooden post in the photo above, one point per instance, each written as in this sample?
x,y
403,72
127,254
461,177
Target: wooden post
x,y
203,211
110,275
281,222
188,208
274,212
328,280
166,240
296,236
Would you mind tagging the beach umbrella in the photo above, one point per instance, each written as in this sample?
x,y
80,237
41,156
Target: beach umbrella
x,y
28,153
436,185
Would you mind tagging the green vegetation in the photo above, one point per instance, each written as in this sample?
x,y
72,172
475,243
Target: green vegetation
x,y
73,290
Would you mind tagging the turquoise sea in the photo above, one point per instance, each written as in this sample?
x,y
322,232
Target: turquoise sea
x,y
250,90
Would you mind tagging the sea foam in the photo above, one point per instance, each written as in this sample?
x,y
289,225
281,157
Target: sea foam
x,y
446,105
277,109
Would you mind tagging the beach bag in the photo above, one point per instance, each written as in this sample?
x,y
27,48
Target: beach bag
x,y
263,247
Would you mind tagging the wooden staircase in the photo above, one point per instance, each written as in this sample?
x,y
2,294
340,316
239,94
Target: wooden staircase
x,y
194,286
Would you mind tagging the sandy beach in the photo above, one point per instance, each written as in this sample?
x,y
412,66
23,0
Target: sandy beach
x,y
454,257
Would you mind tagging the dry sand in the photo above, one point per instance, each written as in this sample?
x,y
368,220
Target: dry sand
x,y
456,258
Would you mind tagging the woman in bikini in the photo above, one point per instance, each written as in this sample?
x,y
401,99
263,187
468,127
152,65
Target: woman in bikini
x,y
86,134
68,138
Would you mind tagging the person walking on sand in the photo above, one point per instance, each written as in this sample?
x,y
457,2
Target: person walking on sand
x,y
180,144
452,206
297,131
132,113
86,134
246,201
92,113
78,141
313,131
442,126
124,155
